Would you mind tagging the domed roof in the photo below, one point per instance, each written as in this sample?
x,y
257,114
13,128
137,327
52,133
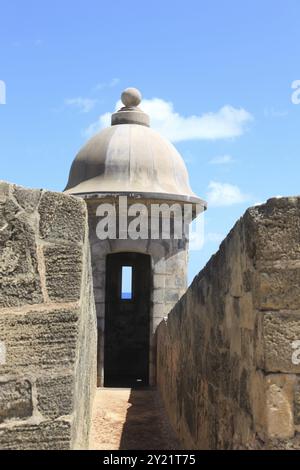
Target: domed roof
x,y
130,157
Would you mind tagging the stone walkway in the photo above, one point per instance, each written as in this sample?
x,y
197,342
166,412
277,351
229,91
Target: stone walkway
x,y
126,419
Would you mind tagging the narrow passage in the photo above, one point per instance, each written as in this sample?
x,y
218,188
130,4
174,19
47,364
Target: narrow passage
x,y
129,419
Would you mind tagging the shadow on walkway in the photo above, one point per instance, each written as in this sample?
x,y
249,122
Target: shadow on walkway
x,y
146,426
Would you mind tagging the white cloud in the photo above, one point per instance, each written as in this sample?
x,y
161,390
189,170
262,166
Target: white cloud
x,y
221,160
225,194
83,104
214,237
225,123
275,113
113,82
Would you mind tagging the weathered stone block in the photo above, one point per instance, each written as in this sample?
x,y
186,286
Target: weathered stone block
x,y
244,400
258,401
4,190
280,395
247,311
63,266
159,281
159,310
39,340
247,345
9,208
62,217
158,295
55,396
278,289
27,199
19,276
44,436
171,295
297,404
280,331
274,229
15,399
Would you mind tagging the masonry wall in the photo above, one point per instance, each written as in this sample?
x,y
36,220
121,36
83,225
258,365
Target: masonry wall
x,y
47,321
227,366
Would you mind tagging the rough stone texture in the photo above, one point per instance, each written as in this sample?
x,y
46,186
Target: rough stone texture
x,y
15,399
39,340
297,404
20,283
47,321
63,272
58,222
52,399
224,355
280,399
280,330
47,435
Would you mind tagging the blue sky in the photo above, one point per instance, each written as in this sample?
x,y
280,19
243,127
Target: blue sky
x,y
65,64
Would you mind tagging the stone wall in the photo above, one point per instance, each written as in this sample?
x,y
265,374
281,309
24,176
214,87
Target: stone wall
x,y
227,368
47,321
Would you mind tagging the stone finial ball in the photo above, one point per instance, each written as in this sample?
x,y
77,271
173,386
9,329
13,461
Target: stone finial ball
x,y
131,97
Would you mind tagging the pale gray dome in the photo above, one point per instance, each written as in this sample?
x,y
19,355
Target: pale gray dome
x,y
130,157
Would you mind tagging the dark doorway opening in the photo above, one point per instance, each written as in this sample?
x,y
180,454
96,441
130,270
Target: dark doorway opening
x,y
127,320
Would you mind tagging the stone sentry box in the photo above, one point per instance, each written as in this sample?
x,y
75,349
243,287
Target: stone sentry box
x,y
168,279
131,160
